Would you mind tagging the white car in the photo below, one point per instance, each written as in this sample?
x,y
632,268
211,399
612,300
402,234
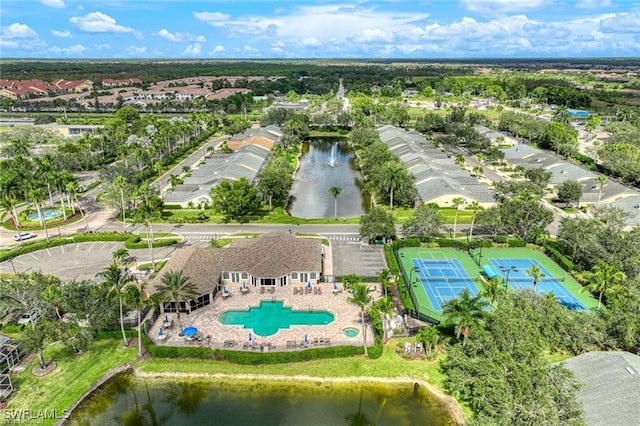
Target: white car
x,y
24,236
27,318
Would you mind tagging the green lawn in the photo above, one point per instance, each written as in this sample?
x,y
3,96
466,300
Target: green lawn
x,y
73,376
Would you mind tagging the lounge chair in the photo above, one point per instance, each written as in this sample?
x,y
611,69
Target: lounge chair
x,y
302,344
315,341
322,340
295,291
327,341
261,290
245,345
319,290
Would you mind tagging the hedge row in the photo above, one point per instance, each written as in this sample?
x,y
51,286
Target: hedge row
x,y
12,328
102,236
561,259
132,244
35,246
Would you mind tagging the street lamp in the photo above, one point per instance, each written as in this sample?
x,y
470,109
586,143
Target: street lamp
x,y
508,270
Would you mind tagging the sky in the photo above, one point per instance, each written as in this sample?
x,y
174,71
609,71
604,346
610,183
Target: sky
x,y
416,29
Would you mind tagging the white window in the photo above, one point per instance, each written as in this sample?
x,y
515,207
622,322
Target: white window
x,y
245,275
225,275
312,275
294,275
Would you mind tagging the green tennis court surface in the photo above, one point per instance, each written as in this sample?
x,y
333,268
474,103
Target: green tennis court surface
x,y
435,276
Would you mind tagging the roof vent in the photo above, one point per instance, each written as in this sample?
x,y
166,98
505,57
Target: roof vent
x,y
630,370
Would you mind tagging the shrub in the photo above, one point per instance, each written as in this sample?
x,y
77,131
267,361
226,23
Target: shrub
x,y
102,236
130,244
172,207
516,242
561,259
12,328
35,246
501,239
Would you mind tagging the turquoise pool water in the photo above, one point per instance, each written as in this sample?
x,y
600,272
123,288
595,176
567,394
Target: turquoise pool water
x,y
48,214
350,331
271,316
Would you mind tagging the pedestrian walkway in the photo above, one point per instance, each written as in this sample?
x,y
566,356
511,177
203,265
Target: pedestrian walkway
x,y
343,237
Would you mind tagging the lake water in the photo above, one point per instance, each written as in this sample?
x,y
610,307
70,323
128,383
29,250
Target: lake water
x,y
130,400
326,163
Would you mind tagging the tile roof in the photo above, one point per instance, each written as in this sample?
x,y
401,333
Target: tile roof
x,y
270,255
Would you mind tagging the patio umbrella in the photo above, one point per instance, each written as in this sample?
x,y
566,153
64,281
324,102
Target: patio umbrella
x,y
335,286
166,318
250,337
306,339
190,331
309,284
160,332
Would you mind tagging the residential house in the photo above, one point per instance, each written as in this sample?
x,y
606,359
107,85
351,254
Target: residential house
x,y
437,178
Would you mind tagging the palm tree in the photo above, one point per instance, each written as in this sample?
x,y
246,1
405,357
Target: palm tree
x,y
464,313
145,213
493,289
428,336
361,299
121,183
335,191
116,279
384,307
536,274
174,180
34,340
393,177
37,196
604,278
120,255
53,294
459,159
176,288
456,203
602,180
385,280
474,206
136,298
72,188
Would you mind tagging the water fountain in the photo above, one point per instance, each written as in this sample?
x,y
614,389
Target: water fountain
x,y
332,159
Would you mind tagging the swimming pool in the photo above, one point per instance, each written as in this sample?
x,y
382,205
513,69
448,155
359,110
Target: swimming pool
x,y
271,316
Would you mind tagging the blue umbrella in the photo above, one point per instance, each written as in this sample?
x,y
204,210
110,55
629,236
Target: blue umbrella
x,y
244,284
335,286
166,318
250,337
309,284
306,339
190,331
160,332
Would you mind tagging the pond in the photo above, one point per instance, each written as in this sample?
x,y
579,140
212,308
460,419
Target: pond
x,y
130,400
325,163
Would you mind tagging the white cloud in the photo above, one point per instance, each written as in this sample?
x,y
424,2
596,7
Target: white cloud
x,y
76,49
593,4
211,17
194,49
246,49
17,30
58,4
63,34
502,6
98,22
136,50
310,42
621,23
177,37
373,35
218,49
102,46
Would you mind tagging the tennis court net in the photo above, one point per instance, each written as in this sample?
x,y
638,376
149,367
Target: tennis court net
x,y
529,280
449,280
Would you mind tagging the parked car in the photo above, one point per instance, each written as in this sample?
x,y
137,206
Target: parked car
x,y
29,317
24,236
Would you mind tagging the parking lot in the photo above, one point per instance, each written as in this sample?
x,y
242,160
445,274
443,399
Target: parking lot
x,y
350,256
80,261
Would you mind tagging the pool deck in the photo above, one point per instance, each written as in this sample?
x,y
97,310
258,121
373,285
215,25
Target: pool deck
x,y
205,319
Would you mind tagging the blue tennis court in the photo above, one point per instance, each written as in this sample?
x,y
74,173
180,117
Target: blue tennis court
x,y
516,271
442,279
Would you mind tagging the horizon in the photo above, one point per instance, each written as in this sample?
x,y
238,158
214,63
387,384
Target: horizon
x,y
431,30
